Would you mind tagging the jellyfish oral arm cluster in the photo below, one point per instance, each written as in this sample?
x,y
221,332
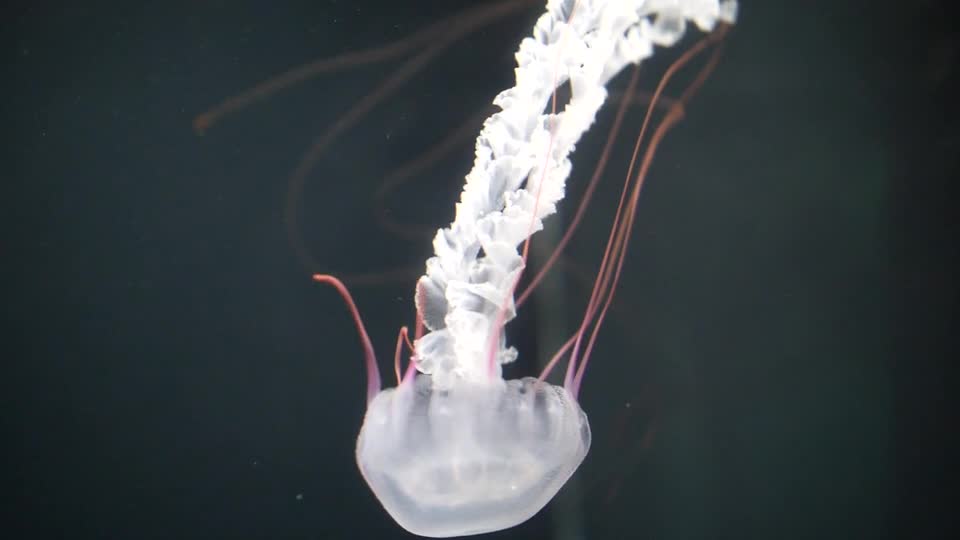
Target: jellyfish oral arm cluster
x,y
456,450
521,166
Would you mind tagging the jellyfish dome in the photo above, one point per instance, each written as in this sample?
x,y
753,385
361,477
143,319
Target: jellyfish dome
x,y
470,458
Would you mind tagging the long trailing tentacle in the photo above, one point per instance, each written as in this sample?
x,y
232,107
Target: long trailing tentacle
x,y
370,357
618,241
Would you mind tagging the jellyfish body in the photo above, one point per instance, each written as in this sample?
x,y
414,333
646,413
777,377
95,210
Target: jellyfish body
x,y
472,458
469,456
455,449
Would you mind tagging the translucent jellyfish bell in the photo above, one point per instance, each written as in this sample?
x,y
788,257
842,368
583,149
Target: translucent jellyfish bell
x,y
479,457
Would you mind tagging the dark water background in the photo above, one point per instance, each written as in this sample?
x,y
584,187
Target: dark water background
x,y
775,366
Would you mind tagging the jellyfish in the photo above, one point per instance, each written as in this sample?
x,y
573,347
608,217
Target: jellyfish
x,y
454,449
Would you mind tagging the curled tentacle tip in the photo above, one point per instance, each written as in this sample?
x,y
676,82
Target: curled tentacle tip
x,y
201,124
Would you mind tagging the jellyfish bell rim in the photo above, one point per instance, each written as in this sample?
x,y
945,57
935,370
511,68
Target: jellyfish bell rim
x,y
474,473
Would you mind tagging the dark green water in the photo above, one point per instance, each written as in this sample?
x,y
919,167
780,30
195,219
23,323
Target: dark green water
x,y
774,365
